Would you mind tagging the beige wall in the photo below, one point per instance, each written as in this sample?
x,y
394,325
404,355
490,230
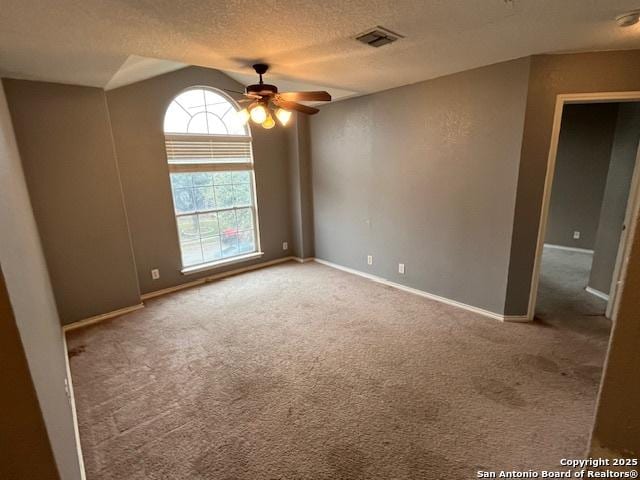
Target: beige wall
x,y
551,75
424,175
33,304
67,154
137,114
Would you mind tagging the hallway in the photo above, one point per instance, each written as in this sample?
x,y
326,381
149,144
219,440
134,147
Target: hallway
x,y
563,301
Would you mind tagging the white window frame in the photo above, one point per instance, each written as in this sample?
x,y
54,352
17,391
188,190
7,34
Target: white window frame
x,y
194,167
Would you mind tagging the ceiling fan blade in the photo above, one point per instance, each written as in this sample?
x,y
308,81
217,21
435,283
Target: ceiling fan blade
x,y
287,105
306,96
252,96
232,91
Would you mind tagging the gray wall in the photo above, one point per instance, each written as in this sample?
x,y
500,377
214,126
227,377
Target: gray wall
x,y
301,189
551,75
32,300
614,205
67,153
137,115
582,163
424,175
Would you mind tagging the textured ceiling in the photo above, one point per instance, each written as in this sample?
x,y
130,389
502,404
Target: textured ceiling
x,y
137,68
307,42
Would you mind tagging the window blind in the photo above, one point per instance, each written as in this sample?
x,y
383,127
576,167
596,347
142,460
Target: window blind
x,y
207,149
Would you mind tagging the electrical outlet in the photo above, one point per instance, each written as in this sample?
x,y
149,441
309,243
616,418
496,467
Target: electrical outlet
x,y
576,235
155,274
285,245
369,260
401,268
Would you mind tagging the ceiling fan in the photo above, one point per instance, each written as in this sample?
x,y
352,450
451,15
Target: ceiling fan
x,y
266,102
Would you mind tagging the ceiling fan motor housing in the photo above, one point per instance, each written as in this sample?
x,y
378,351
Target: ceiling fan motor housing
x,y
262,89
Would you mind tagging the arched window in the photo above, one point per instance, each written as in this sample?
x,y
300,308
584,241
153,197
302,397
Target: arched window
x,y
212,180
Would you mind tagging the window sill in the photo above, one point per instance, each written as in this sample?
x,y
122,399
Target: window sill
x,y
221,263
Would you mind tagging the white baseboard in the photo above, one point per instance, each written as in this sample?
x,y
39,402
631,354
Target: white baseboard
x,y
101,317
164,291
431,296
218,276
72,402
303,260
568,249
597,293
516,318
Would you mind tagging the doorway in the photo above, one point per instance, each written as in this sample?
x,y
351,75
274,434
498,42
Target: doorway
x,y
589,210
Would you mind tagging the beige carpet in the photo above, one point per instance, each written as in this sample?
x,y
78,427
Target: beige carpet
x,y
306,372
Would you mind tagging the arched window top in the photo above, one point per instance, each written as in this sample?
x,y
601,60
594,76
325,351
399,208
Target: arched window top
x,y
203,110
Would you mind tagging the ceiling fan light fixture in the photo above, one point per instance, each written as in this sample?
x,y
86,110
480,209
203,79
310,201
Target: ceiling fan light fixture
x,y
258,114
266,104
243,116
283,116
269,122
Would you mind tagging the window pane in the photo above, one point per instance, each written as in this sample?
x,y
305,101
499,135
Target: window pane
x,y
204,198
181,180
211,248
202,178
188,228
219,106
219,109
227,221
214,98
183,200
215,125
245,219
192,100
234,124
222,178
191,253
189,240
200,110
245,242
224,196
198,123
243,176
176,119
208,224
229,239
242,194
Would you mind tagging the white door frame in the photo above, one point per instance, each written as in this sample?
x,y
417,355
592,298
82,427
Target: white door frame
x,y
633,202
626,240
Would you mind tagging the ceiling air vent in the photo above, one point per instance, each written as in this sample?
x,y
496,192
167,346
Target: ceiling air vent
x,y
378,36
